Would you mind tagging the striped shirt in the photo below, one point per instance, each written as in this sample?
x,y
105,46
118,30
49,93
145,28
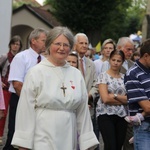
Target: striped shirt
x,y
137,84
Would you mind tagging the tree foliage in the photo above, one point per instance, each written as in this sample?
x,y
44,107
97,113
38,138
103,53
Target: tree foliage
x,y
136,13
19,3
99,19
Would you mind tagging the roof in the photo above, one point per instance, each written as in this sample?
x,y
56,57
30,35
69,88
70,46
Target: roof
x,y
43,15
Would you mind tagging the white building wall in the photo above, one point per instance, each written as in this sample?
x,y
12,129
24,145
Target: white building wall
x,y
26,18
5,24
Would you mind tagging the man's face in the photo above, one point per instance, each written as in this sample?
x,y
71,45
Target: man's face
x,y
82,45
147,60
39,44
128,50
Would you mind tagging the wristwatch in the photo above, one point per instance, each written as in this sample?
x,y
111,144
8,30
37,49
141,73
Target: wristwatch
x,y
115,96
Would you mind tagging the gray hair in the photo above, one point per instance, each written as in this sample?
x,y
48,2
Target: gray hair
x,y
57,31
80,34
36,33
123,41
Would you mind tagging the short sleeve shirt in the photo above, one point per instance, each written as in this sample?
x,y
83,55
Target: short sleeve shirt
x,y
21,63
137,83
115,85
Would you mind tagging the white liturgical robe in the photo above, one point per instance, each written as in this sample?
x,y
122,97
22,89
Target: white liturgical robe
x,y
53,110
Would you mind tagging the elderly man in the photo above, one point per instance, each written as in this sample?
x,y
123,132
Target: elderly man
x,y
127,46
21,63
87,68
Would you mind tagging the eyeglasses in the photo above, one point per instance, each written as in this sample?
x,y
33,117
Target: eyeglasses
x,y
65,45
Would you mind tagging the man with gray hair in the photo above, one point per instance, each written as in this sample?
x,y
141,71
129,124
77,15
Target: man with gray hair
x,y
87,68
127,46
21,63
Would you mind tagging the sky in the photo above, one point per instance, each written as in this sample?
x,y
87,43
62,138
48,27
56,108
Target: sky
x,y
40,1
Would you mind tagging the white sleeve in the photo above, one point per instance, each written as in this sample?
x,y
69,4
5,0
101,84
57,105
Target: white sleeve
x,y
25,115
17,69
87,138
105,66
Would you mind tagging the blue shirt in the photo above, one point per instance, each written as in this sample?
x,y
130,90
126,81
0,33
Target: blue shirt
x,y
137,83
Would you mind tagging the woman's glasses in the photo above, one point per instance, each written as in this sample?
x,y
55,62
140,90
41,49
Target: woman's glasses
x,y
65,45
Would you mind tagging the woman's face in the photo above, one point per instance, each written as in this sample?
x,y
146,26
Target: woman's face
x,y
108,48
60,48
14,47
116,62
72,60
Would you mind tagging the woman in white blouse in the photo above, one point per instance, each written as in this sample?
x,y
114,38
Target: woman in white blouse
x,y
107,47
111,105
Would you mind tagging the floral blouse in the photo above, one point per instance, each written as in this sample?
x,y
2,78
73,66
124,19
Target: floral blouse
x,y
116,86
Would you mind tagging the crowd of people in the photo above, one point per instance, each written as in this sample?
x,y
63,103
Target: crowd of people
x,y
61,97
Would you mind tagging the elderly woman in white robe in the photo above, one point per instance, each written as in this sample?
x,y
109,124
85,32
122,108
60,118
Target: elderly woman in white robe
x,y
53,106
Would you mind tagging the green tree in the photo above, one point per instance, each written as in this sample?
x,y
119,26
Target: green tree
x,y
97,18
19,3
135,15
